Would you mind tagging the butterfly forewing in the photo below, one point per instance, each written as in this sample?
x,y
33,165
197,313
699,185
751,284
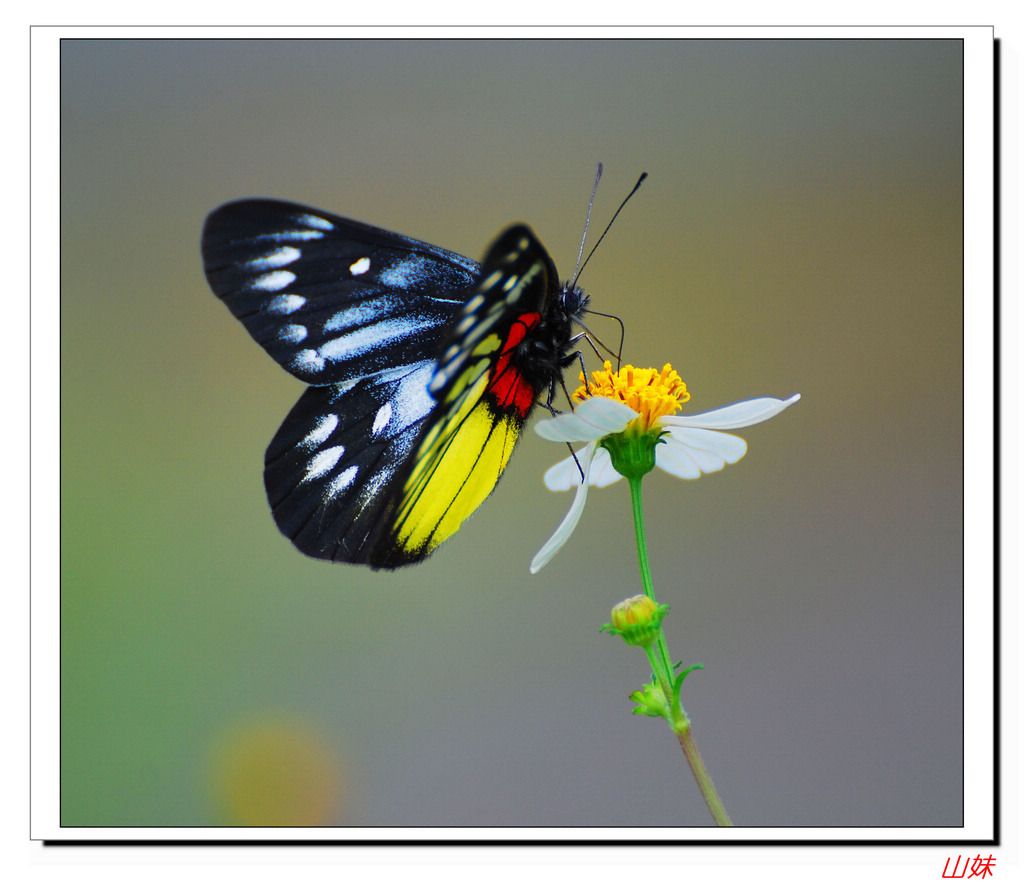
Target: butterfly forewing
x,y
328,298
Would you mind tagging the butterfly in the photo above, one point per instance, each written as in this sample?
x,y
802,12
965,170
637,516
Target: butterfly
x,y
422,369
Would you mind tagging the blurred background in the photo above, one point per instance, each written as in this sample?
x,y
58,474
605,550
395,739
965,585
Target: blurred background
x,y
800,231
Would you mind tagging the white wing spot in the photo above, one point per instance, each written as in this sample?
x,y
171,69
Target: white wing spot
x,y
510,283
360,266
411,401
370,336
284,304
403,272
295,235
323,462
321,432
293,334
281,257
382,419
275,281
342,482
360,314
314,221
308,361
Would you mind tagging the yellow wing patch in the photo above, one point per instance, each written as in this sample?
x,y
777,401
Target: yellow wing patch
x,y
458,463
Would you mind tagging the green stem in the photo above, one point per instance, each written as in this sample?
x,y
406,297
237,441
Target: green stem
x,y
700,773
663,672
661,663
641,537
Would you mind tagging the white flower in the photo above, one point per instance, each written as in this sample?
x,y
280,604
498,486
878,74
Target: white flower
x,y
691,445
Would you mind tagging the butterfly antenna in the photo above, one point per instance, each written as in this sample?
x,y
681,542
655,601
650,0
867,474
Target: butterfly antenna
x,y
597,179
632,192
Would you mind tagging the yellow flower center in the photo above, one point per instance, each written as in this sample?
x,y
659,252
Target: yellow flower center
x,y
647,391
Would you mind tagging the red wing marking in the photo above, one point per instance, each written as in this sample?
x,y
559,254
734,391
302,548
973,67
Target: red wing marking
x,y
508,386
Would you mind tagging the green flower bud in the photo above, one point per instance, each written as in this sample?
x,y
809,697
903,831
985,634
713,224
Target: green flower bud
x,y
651,701
637,620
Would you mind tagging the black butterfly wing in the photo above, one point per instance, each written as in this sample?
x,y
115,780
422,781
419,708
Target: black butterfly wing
x,y
332,466
329,298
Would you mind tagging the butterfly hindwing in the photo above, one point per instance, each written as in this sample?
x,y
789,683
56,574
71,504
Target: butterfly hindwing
x,y
423,369
331,467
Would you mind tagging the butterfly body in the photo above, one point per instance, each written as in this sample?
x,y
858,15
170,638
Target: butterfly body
x,y
422,367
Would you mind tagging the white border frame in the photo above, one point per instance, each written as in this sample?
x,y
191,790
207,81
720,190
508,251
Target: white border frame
x,y
979,447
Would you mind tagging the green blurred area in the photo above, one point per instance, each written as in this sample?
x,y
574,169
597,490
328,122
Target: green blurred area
x,y
801,230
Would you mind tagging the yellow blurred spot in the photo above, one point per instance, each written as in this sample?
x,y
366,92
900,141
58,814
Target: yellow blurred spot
x,y
274,772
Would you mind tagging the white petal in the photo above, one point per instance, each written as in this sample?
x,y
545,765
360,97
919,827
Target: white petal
x,y
688,453
601,471
676,461
568,524
563,476
741,414
728,447
594,418
566,474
